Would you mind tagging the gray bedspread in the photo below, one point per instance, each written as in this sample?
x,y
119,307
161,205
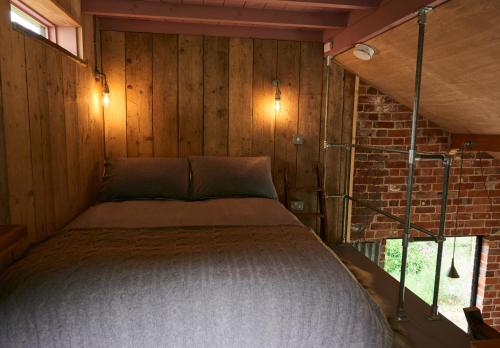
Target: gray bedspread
x,y
251,286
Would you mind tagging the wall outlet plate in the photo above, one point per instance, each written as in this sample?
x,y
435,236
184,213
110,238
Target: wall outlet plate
x,y
297,205
298,139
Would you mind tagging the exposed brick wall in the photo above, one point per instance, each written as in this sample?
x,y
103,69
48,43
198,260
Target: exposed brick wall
x,y
381,179
488,292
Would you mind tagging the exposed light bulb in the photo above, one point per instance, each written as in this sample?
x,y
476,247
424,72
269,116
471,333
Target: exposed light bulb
x,y
277,96
105,99
277,104
105,95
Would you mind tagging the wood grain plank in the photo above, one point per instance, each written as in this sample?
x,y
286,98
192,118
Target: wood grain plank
x,y
165,121
264,118
83,134
353,155
215,119
190,95
115,115
240,96
311,75
285,152
345,138
139,80
16,128
38,100
72,143
4,189
333,156
58,151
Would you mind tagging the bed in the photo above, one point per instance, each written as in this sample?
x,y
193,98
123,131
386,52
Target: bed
x,y
227,272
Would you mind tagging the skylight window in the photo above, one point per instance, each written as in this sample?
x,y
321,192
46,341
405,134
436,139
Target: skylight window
x,y
28,22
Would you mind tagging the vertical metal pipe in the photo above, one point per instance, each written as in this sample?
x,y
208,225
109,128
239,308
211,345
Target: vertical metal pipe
x,y
345,205
442,222
422,13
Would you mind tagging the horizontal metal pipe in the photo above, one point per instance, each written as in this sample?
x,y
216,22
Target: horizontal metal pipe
x,y
431,156
394,217
418,155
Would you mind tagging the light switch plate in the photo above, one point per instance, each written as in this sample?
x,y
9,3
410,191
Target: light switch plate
x,y
298,139
297,205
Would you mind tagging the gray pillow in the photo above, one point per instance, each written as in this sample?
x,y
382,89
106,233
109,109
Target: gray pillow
x,y
217,177
146,178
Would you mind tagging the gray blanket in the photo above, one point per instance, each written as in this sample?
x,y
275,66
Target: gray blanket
x,y
274,286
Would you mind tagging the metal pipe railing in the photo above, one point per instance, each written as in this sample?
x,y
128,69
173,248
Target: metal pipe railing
x,y
394,217
442,224
413,155
422,13
418,155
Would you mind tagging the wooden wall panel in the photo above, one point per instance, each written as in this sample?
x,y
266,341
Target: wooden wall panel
x,y
308,156
4,191
215,87
139,80
190,95
214,96
58,151
285,152
38,100
240,96
17,134
264,116
165,122
115,115
72,136
333,156
53,129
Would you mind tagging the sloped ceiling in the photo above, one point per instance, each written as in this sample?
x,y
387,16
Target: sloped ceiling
x,y
461,72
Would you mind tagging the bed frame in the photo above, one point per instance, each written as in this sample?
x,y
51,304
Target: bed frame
x,y
413,156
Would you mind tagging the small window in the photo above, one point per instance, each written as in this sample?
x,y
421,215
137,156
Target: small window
x,y
51,22
28,22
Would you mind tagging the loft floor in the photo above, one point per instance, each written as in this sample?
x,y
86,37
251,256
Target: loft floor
x,y
423,332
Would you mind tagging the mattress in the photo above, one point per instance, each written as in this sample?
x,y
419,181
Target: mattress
x,y
226,278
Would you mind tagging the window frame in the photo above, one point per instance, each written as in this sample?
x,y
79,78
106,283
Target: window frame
x,y
63,37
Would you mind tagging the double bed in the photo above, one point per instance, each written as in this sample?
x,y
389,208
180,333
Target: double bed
x,y
227,272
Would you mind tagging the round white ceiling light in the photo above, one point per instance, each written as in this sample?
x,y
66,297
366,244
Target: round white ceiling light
x,y
363,52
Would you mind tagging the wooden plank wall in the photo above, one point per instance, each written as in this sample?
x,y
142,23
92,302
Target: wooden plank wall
x,y
181,95
342,103
53,125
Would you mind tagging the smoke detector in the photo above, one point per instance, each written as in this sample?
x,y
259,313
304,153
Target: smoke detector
x,y
363,52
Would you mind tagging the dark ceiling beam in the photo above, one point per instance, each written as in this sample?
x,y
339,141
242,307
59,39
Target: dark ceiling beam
x,y
478,142
142,26
149,10
326,4
388,16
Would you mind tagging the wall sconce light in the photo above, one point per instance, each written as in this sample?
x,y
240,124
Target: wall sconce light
x,y
277,95
105,89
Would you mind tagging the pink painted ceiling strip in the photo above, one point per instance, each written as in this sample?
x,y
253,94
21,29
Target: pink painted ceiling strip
x,y
390,15
214,14
119,24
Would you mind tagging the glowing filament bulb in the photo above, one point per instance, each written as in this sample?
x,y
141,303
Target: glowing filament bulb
x,y
105,95
277,96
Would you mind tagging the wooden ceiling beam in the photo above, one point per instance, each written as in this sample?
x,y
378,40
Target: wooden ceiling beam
x,y
149,10
134,25
348,5
479,142
388,16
